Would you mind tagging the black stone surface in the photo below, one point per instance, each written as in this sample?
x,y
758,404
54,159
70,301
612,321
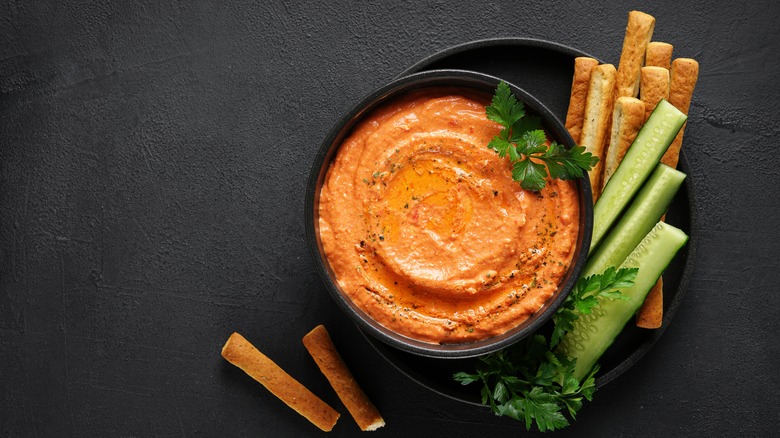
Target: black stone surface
x,y
153,162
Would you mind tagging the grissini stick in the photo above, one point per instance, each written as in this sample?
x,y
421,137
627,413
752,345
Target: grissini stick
x,y
241,353
328,359
627,119
659,54
639,31
583,67
598,112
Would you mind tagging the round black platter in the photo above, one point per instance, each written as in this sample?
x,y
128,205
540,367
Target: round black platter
x,y
545,69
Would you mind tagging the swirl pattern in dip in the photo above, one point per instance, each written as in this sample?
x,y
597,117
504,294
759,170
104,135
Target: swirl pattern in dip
x,y
427,232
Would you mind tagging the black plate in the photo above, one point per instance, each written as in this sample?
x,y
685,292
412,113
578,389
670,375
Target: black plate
x,y
545,70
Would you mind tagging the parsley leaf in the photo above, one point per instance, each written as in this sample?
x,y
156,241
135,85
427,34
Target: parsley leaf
x,y
502,146
585,296
505,109
524,141
531,383
531,174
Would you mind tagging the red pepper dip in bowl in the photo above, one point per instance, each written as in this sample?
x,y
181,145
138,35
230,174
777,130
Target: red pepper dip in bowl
x,y
422,235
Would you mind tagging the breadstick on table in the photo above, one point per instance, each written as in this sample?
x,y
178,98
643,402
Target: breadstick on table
x,y
329,361
654,87
244,355
683,77
583,66
627,119
598,114
658,54
639,31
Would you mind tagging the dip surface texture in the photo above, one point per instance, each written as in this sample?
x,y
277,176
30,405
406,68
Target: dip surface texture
x,y
428,233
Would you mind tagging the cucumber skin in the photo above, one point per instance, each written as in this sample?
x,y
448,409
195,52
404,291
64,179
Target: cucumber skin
x,y
593,334
645,211
623,185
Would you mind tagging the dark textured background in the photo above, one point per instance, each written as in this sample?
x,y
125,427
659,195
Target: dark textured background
x,y
153,162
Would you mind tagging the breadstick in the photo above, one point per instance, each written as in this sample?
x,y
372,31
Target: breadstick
x,y
583,66
659,54
329,361
627,119
244,355
598,113
651,314
638,34
683,77
654,87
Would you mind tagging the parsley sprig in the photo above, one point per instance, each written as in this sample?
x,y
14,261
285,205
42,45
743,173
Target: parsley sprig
x,y
523,140
585,296
530,381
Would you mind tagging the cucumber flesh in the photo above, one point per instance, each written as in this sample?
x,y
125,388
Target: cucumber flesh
x,y
593,334
645,211
645,152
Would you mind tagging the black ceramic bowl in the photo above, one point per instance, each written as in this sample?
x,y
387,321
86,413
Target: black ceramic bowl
x,y
440,78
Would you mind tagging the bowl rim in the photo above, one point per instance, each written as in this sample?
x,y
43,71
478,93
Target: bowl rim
x,y
329,148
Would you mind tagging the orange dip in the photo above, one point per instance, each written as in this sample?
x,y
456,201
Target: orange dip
x,y
428,233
